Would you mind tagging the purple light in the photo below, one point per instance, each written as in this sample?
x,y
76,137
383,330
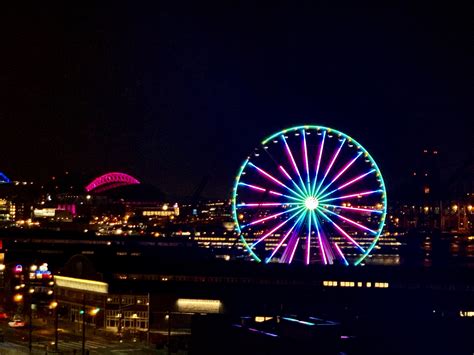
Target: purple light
x,y
110,181
262,332
276,228
284,238
351,221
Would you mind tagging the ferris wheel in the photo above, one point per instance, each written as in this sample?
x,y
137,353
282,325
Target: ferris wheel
x,y
309,194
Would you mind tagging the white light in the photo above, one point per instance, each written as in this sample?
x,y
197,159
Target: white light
x,y
311,203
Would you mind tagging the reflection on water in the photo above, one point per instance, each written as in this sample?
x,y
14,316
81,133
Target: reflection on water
x,y
423,248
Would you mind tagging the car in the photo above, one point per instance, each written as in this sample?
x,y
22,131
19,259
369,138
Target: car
x,y
16,324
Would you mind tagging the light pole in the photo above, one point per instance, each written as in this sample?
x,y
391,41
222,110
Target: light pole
x,y
84,324
149,321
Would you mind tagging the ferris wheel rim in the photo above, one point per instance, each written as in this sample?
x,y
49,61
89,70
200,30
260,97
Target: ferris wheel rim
x,y
329,130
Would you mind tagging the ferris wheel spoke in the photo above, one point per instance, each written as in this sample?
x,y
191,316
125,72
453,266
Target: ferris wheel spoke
x,y
288,176
320,240
268,204
308,241
294,250
275,180
344,233
292,159
365,193
330,166
270,217
305,157
261,189
350,221
342,171
339,251
266,235
352,208
285,237
321,147
291,179
350,182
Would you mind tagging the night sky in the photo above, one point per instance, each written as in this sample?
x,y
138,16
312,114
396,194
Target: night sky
x,y
173,94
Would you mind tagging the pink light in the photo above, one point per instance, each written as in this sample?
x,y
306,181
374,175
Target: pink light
x,y
340,253
321,146
353,195
252,186
294,250
351,221
321,247
352,208
331,164
348,183
308,240
305,150
347,166
111,180
295,167
268,204
284,238
285,172
275,229
342,231
270,217
356,179
263,172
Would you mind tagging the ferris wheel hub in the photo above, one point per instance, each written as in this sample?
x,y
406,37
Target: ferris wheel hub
x,y
311,203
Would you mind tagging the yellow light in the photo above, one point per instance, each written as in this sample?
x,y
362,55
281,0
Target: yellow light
x,y
82,284
18,297
455,208
199,305
469,208
53,305
2,267
33,268
94,311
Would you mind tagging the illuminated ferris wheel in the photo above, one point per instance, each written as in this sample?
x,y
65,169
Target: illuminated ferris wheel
x,y
309,194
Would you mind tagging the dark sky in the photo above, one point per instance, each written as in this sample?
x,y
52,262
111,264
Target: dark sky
x,y
172,94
